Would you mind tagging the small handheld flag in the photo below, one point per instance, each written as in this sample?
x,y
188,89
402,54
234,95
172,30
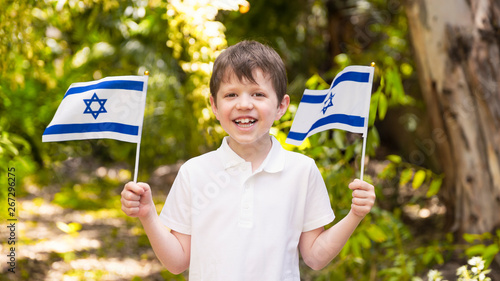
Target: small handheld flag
x,y
112,108
345,106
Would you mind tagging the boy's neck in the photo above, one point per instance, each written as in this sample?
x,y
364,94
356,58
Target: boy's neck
x,y
254,153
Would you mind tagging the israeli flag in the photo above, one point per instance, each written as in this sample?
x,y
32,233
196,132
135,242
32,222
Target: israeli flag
x,y
345,105
112,108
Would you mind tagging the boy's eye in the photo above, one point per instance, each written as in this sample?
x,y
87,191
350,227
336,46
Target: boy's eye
x,y
259,94
231,95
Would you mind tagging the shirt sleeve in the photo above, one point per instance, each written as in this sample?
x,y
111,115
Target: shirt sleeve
x,y
176,213
318,210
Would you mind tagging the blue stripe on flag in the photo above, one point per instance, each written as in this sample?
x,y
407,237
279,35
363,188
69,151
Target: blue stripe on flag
x,y
360,77
351,120
116,84
92,127
313,99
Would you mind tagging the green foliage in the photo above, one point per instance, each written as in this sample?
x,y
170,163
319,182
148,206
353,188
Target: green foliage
x,y
402,270
486,245
17,167
434,252
296,29
407,172
48,45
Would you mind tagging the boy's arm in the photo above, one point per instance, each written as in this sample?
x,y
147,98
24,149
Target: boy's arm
x,y
319,246
172,248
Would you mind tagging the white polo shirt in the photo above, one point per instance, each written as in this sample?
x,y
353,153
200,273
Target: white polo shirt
x,y
244,225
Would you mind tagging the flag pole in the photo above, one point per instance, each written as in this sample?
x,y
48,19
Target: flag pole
x,y
138,151
137,160
363,157
365,135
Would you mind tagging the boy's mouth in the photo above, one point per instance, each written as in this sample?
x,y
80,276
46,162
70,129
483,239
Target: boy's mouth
x,y
245,122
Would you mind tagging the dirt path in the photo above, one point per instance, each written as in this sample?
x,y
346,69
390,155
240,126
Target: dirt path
x,y
55,243
107,247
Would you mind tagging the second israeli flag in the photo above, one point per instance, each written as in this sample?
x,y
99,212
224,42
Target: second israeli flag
x,y
345,105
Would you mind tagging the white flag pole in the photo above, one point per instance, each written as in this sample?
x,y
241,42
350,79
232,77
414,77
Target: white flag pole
x,y
137,160
138,151
363,157
365,135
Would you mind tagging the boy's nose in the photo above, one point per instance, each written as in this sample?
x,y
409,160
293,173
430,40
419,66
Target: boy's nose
x,y
244,103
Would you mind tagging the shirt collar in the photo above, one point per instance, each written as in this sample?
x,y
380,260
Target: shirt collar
x,y
229,157
274,162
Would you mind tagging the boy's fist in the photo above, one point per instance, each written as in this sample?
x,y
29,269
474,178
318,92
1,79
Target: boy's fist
x,y
137,200
363,197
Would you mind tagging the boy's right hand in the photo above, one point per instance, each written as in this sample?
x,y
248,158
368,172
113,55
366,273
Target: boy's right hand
x,y
137,200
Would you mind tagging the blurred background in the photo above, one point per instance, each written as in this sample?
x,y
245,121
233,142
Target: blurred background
x,y
432,148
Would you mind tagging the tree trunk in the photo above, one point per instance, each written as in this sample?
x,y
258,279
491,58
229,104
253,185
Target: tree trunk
x,y
457,52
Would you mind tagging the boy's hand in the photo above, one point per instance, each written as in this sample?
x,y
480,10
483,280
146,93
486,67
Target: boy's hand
x,y
363,197
137,200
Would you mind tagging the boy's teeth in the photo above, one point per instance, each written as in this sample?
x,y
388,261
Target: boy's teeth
x,y
245,120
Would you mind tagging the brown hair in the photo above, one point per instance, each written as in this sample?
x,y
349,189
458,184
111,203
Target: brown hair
x,y
245,57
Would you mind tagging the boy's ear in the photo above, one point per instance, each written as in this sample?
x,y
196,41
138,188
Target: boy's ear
x,y
282,107
214,107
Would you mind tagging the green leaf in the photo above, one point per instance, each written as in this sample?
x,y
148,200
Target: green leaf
x,y
349,153
345,250
376,233
394,158
389,171
373,141
439,258
427,257
316,83
470,238
476,250
382,107
339,138
491,251
394,85
434,187
355,247
374,105
418,179
406,69
364,241
406,176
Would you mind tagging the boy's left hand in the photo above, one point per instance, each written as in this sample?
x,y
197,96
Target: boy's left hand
x,y
363,197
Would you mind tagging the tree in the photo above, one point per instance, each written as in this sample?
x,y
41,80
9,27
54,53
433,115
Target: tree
x,y
456,46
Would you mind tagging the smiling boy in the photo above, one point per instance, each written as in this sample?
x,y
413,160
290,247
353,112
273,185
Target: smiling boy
x,y
244,211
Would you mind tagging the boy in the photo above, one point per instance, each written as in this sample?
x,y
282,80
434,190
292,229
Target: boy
x,y
244,211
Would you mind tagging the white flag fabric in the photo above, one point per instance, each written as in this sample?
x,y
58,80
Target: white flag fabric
x,y
345,105
112,107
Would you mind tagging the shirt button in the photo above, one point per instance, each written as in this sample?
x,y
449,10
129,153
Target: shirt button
x,y
246,206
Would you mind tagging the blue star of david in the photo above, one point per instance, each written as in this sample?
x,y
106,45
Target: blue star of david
x,y
88,109
328,103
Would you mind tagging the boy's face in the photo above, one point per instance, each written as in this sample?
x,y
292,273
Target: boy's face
x,y
246,110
